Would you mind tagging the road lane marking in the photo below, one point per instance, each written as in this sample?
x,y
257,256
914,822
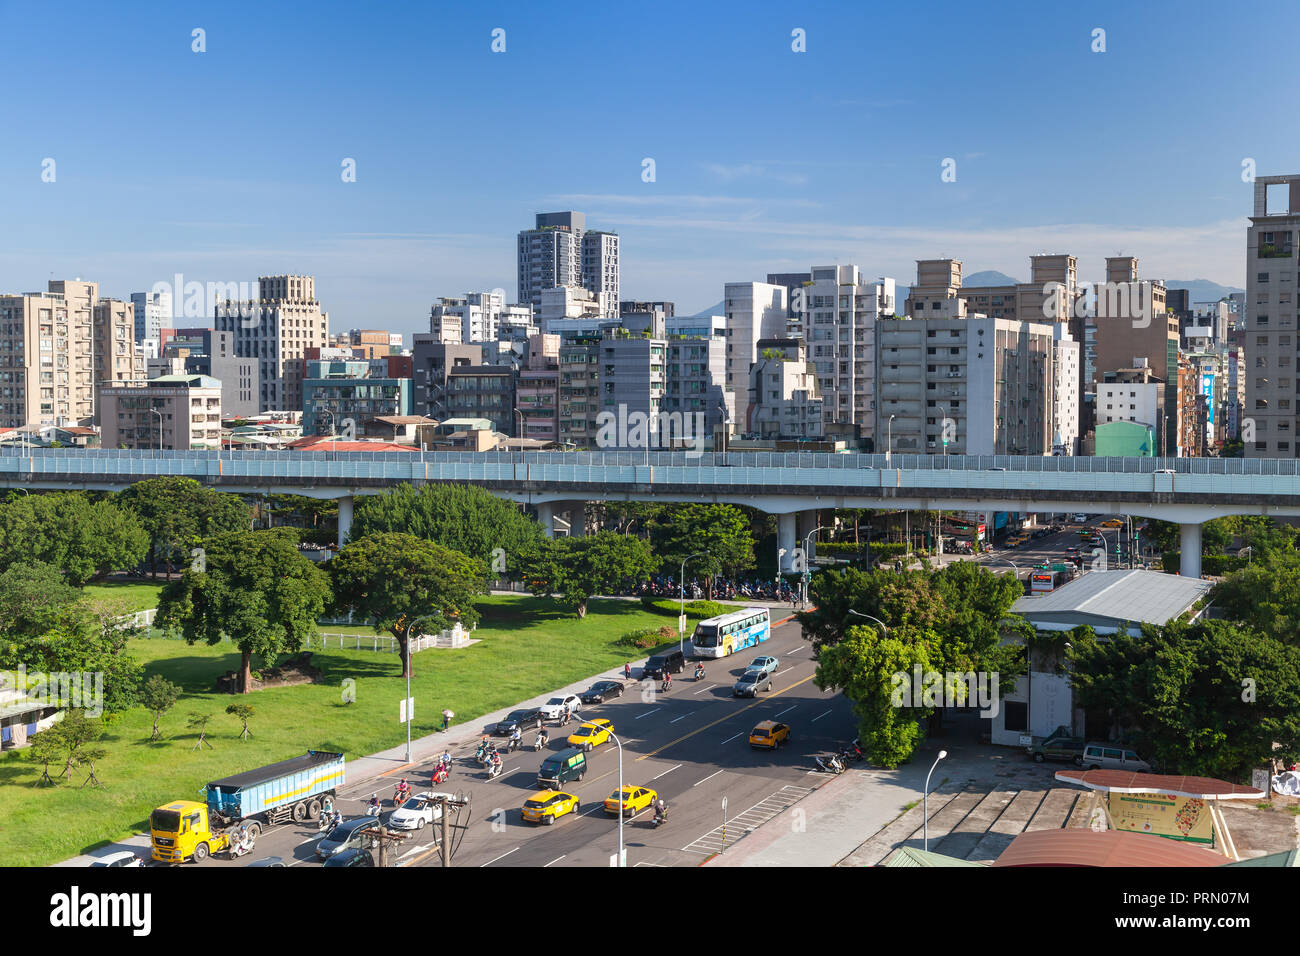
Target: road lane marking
x,y
730,739
557,859
708,778
649,712
818,717
665,773
682,717
710,687
787,710
501,857
700,730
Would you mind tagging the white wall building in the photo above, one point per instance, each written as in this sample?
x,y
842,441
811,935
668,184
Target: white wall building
x,y
153,312
1066,354
754,310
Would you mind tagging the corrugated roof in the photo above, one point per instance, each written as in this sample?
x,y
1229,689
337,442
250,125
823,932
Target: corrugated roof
x,y
1285,858
1077,847
1137,596
1126,781
911,856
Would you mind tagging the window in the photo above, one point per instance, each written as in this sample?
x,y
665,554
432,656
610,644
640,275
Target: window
x,y
1016,715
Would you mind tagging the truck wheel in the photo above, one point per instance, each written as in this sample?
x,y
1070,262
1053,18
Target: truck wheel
x,y
313,809
254,830
300,812
200,853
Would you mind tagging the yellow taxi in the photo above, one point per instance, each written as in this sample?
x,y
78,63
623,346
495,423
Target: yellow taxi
x,y
591,734
769,734
1113,523
635,799
545,805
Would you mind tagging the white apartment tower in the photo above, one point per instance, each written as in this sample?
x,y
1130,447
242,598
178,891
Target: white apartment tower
x,y
153,313
559,251
1272,326
277,328
754,310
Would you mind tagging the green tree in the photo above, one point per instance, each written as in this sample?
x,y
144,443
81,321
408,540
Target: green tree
x,y
45,748
464,518
242,713
199,722
177,513
73,733
1265,595
33,595
158,696
578,568
1205,699
81,538
73,641
254,587
721,531
393,579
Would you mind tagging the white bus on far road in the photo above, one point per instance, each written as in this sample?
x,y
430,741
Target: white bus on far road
x,y
724,635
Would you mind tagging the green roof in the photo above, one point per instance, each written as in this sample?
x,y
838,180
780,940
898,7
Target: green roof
x,y
911,856
1285,858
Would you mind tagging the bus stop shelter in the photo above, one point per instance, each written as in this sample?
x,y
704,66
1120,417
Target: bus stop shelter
x,y
1177,808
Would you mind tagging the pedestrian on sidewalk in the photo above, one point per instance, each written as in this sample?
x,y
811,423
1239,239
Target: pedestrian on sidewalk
x,y
627,671
447,715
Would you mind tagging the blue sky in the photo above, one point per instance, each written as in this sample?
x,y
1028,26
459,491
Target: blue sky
x,y
225,164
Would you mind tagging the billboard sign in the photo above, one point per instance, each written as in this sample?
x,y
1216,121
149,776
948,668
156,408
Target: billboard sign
x,y
1178,818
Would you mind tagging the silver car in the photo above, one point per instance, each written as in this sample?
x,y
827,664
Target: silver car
x,y
767,665
751,682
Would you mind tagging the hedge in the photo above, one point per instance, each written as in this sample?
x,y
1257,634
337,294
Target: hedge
x,y
879,550
696,609
1215,564
648,637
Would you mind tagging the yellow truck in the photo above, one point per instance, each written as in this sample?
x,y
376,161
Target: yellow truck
x,y
289,790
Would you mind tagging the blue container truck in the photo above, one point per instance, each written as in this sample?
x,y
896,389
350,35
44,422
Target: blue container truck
x,y
289,790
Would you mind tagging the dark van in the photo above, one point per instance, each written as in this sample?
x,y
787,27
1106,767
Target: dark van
x,y
561,768
670,661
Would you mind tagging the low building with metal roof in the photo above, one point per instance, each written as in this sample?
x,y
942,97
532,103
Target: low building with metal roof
x,y
1110,601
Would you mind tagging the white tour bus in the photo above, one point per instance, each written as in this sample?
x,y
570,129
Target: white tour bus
x,y
720,636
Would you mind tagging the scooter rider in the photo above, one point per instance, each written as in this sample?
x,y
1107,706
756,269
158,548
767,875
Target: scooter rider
x,y
516,739
699,671
542,739
372,809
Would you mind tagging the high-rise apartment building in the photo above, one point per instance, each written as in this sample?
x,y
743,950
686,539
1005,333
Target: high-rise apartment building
x,y
153,313
277,329
432,362
537,395
480,317
991,379
1269,420
840,311
57,347
754,310
559,251
785,399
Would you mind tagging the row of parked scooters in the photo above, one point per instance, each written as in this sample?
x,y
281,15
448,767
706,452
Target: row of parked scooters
x,y
838,763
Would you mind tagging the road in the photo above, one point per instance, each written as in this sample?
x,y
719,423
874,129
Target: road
x,y
690,745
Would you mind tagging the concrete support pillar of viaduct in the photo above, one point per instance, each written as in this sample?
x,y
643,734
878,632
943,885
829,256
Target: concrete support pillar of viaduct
x,y
1190,555
546,518
577,519
807,524
345,519
787,539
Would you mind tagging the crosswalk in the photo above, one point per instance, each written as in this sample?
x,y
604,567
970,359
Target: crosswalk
x,y
721,836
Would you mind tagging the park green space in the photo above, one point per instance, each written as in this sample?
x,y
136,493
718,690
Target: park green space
x,y
133,595
526,646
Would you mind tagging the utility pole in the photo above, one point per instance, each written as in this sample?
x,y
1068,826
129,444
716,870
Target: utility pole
x,y
443,807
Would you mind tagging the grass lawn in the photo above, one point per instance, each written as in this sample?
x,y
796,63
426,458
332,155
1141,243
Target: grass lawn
x,y
527,646
135,595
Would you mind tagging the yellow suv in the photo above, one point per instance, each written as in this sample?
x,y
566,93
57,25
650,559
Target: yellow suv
x,y
545,805
635,799
591,734
769,734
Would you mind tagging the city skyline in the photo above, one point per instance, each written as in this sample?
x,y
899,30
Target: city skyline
x,y
822,156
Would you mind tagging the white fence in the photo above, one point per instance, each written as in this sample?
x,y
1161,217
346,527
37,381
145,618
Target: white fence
x,y
452,637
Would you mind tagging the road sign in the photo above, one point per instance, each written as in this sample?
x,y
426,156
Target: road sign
x,y
681,624
406,711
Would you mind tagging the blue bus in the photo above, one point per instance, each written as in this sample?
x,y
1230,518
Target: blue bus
x,y
724,635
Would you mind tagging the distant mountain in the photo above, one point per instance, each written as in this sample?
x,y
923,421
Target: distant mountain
x,y
1202,290
989,277
719,309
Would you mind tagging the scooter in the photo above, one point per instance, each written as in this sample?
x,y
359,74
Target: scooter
x,y
372,810
495,770
440,774
660,818
663,687
831,764
699,674
540,742
240,844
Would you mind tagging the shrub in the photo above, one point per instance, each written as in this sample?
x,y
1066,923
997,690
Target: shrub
x,y
694,609
648,637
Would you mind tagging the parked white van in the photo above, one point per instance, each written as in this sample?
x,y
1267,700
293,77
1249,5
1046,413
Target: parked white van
x,y
1113,757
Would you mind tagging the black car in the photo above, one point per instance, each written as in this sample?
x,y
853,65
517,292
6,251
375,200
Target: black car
x,y
601,691
354,857
529,719
672,662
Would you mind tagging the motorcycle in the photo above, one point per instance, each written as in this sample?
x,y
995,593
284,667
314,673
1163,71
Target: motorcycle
x,y
515,744
401,795
831,764
540,742
440,774
372,810
660,818
851,752
481,756
495,770
699,673
240,844
663,687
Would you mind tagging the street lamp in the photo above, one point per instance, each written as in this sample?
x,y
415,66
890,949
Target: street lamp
x,y
870,618
620,796
410,716
889,438
326,411
160,424
925,800
681,620
807,570
943,429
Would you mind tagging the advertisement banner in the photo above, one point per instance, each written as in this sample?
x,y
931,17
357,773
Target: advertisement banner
x,y
1179,818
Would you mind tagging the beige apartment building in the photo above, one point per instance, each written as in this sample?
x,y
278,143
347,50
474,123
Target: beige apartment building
x,y
56,347
277,329
179,412
1272,343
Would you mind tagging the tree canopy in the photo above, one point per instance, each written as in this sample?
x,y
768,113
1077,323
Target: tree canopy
x,y
253,586
177,513
578,568
721,531
464,518
392,579
80,537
